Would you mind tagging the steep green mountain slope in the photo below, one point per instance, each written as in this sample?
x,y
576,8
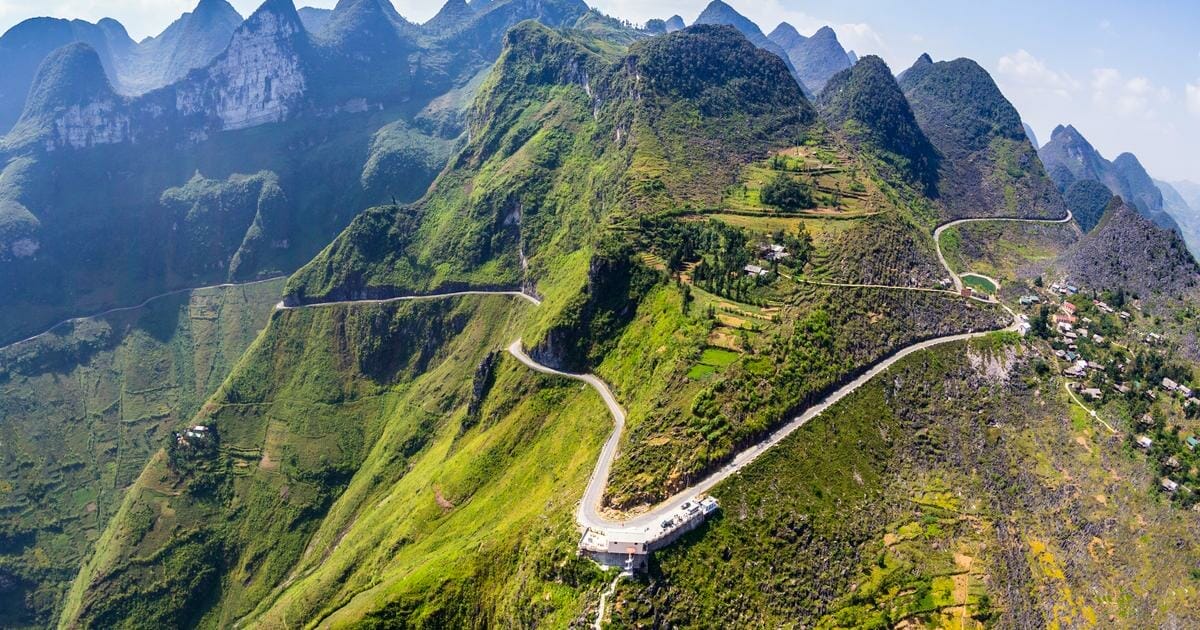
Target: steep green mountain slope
x,y
720,13
1087,199
961,490
339,482
379,464
866,104
83,409
989,167
366,112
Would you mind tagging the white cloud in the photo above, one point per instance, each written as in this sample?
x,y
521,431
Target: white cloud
x,y
1027,71
1134,96
1193,97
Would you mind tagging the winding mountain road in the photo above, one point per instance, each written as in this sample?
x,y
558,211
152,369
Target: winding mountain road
x,y
937,236
146,302
410,298
589,514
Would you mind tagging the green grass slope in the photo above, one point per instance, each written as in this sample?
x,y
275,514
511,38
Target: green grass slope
x,y
83,409
351,476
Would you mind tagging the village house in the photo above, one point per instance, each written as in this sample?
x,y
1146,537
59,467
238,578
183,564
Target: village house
x,y
754,270
1146,420
1098,339
1185,391
1064,319
1169,385
1125,315
1078,370
1030,300
1169,486
1192,442
1093,393
1067,308
1144,441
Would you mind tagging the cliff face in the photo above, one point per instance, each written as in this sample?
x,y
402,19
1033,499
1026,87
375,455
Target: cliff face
x,y
260,77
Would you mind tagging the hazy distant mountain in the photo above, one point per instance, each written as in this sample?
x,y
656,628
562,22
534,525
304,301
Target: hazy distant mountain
x,y
815,58
1069,157
314,19
1183,211
133,68
452,15
675,23
364,112
1032,136
190,42
26,45
718,12
989,167
1190,191
852,56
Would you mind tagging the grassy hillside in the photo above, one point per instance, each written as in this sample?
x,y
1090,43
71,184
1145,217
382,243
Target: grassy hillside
x,y
959,491
82,411
349,474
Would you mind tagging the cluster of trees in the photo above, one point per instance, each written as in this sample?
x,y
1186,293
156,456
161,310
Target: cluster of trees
x,y
785,193
723,251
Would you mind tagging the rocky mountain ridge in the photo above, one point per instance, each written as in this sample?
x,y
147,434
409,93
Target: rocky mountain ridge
x,y
1069,157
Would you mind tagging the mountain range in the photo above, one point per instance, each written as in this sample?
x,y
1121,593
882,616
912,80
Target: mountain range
x,y
1069,157
988,164
190,42
275,86
497,295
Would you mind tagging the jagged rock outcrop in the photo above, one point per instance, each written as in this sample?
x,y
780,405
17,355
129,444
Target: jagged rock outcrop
x,y
71,103
261,75
1128,252
815,58
191,42
133,68
314,19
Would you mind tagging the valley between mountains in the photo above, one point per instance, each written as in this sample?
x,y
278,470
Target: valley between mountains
x,y
478,288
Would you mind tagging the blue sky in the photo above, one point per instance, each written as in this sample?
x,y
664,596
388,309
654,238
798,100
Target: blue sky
x,y
1126,74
